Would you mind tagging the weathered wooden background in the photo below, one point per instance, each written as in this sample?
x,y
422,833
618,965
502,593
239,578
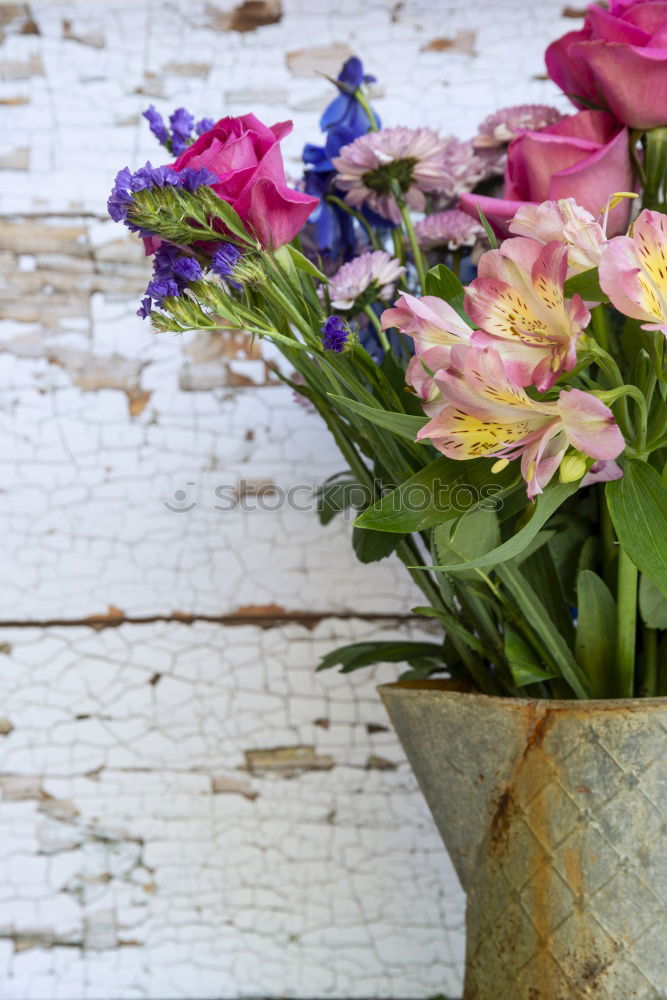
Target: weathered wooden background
x,y
154,842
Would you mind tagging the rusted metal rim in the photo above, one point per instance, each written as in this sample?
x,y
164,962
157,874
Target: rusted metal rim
x,y
458,689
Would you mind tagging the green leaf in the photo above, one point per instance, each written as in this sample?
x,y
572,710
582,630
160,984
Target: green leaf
x,y
521,660
555,649
363,654
402,424
652,604
586,284
443,490
443,283
470,538
545,505
596,633
490,235
371,546
302,263
338,494
638,508
220,209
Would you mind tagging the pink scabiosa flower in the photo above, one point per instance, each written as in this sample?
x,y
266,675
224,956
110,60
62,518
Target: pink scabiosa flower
x,y
498,129
372,167
633,271
430,321
372,275
463,168
451,229
503,125
486,414
565,222
519,302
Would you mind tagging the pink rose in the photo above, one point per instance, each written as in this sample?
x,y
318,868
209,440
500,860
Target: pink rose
x,y
618,60
584,156
245,155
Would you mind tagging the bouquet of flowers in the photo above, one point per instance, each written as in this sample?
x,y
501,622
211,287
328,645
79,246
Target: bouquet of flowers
x,y
481,326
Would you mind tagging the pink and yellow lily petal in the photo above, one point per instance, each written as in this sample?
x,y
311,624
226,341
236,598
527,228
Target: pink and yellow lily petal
x,y
421,375
518,301
430,321
486,414
633,271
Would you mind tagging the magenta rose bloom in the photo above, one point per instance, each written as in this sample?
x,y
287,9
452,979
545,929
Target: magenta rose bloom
x,y
584,156
246,157
618,60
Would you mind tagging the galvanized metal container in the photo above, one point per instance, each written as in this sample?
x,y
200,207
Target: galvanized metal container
x,y
555,817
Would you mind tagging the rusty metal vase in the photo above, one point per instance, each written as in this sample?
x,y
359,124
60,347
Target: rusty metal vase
x,y
555,817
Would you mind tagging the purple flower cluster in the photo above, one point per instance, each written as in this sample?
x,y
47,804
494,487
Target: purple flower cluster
x,y
182,127
127,183
335,333
171,273
224,259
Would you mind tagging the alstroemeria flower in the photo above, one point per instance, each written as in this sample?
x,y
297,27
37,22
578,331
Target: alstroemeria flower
x,y
487,415
428,320
519,303
422,375
633,271
563,221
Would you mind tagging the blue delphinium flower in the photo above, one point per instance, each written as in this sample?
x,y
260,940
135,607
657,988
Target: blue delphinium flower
x,y
343,120
335,334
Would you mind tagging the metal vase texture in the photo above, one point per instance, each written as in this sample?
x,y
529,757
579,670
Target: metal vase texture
x,y
555,817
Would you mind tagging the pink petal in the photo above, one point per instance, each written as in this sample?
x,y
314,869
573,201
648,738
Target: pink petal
x,y
602,472
633,80
275,212
589,424
595,178
620,268
498,211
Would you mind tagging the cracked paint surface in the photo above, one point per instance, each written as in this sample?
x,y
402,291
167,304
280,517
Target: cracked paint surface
x,y
186,808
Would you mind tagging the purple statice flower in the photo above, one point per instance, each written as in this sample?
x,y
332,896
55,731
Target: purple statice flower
x,y
190,178
157,125
146,307
120,198
172,270
224,259
182,123
335,333
204,125
148,176
187,268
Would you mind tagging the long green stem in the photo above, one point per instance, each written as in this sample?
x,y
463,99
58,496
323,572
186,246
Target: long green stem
x,y
382,336
339,203
650,679
626,623
372,120
417,255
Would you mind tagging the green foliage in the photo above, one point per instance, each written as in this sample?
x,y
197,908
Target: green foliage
x,y
441,491
365,654
638,508
587,285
